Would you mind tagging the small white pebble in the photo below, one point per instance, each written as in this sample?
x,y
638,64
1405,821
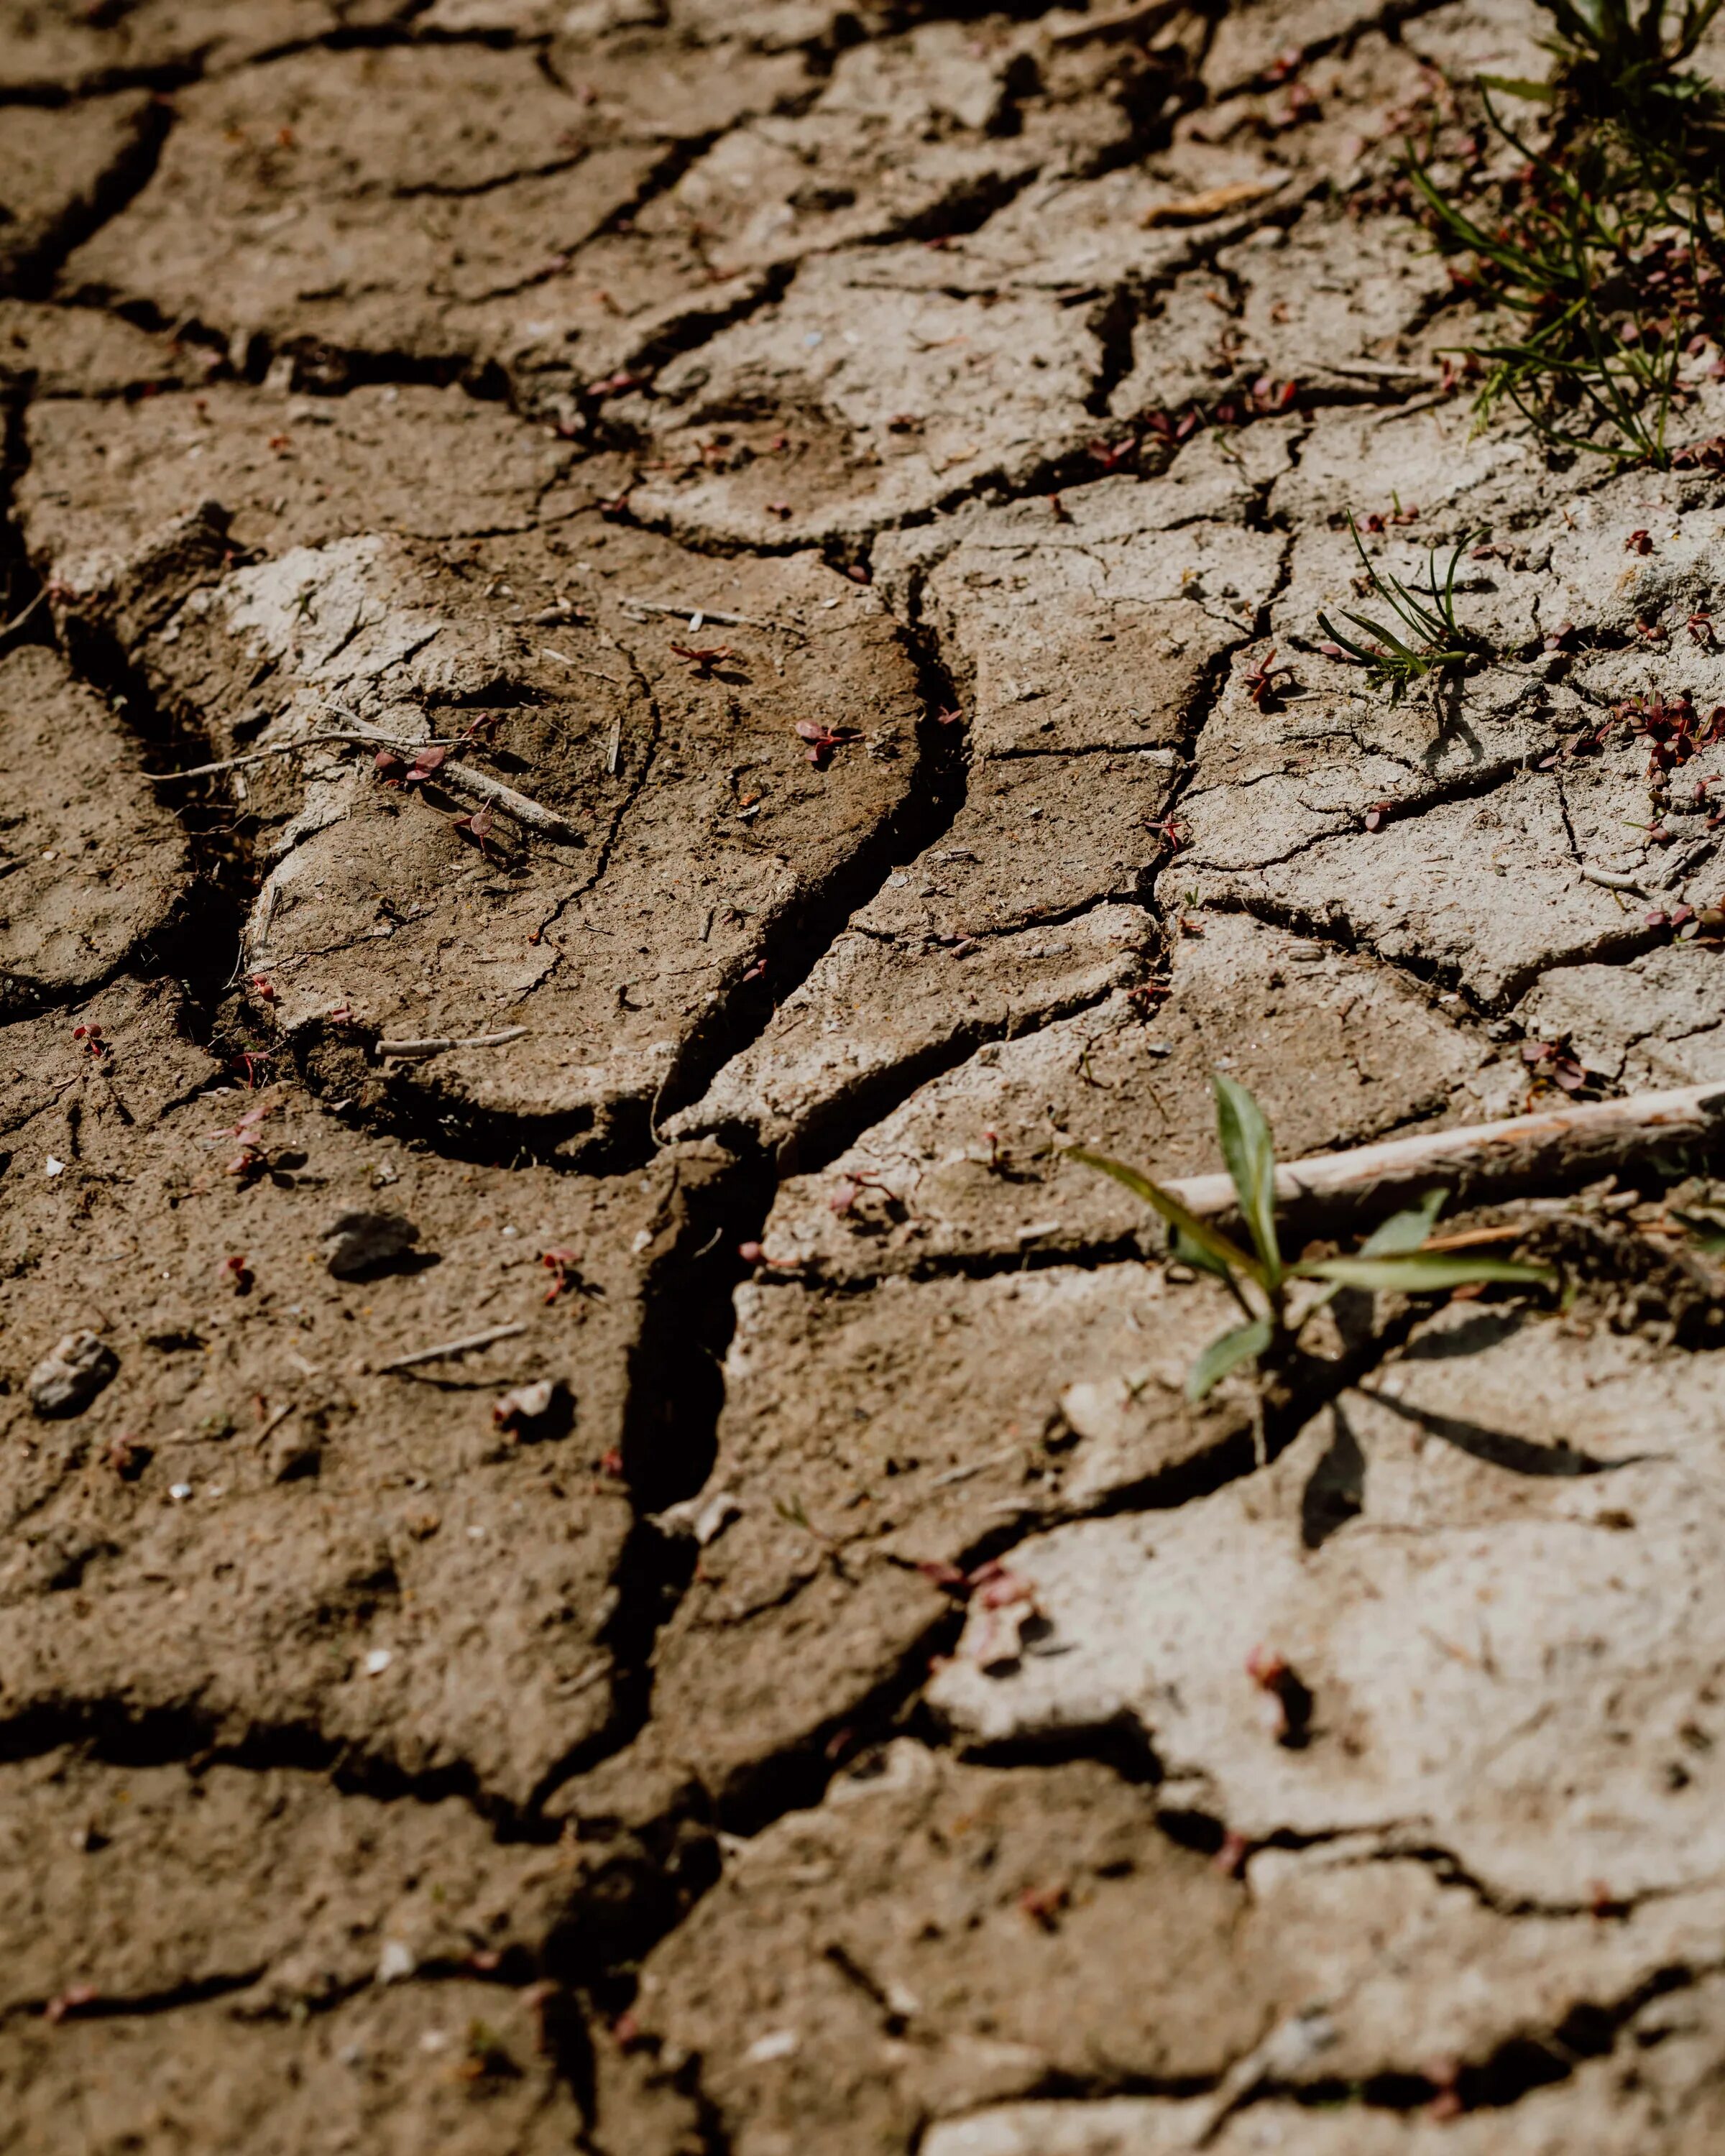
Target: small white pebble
x,y
377,1662
511,1231
52,1167
776,2044
179,1492
395,1962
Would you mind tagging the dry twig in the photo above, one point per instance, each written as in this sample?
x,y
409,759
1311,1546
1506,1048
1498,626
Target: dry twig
x,y
459,778
1557,1145
415,1051
445,1347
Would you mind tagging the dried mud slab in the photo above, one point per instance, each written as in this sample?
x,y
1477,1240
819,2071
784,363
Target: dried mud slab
x,y
134,1883
1651,1022
864,1436
66,45
617,951
290,470
454,2065
62,170
882,1957
1338,1048
928,1941
1501,1638
1093,619
1485,893
348,199
92,870
307,1543
883,1005
51,351
1335,305
886,396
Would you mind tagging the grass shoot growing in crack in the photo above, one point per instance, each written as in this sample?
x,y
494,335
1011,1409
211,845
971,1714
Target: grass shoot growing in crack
x,y
1431,642
1605,238
1618,56
1393,1260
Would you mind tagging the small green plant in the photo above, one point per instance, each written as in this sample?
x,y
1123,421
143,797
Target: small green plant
x,y
1393,1260
1609,267
1431,641
1601,246
1624,53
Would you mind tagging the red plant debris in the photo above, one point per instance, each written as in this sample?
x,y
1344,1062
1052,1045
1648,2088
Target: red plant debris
x,y
823,740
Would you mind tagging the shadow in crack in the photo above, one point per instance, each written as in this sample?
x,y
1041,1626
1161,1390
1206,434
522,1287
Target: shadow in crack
x,y
1488,1328
1335,1491
1521,1456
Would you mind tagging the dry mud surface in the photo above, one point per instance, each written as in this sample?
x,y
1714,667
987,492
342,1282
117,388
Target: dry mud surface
x,y
784,1686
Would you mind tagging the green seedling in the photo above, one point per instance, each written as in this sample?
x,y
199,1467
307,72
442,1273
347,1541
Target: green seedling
x,y
1607,263
1428,640
1624,53
1392,1261
1607,240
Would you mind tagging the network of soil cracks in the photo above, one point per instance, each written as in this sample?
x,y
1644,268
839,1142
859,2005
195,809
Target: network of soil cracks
x,y
613,1557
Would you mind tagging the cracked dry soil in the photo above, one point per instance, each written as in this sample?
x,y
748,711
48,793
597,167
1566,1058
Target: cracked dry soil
x,y
786,1687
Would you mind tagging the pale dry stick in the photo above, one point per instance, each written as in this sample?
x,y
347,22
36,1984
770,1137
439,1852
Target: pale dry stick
x,y
1131,23
412,1050
18,620
563,658
462,778
1367,370
1609,880
1521,1148
446,1348
295,747
695,615
274,1424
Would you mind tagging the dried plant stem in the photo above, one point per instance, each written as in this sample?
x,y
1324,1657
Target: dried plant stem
x,y
467,1342
459,778
695,615
413,1050
1557,1145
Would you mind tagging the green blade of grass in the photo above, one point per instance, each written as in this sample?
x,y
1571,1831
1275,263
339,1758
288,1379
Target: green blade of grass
x,y
1405,1231
1227,1353
1249,1151
1225,1252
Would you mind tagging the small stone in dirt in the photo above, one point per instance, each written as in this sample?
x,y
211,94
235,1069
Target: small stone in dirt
x,y
542,1409
69,1378
356,1241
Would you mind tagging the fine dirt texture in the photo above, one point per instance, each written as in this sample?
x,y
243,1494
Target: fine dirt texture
x,y
649,655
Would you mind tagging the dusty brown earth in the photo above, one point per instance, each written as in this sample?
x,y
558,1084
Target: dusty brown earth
x,y
783,1685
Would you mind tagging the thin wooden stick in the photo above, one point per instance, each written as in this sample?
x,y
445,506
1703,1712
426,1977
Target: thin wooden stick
x,y
459,778
1521,1149
18,620
695,615
445,1347
240,762
462,778
413,1049
1609,880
